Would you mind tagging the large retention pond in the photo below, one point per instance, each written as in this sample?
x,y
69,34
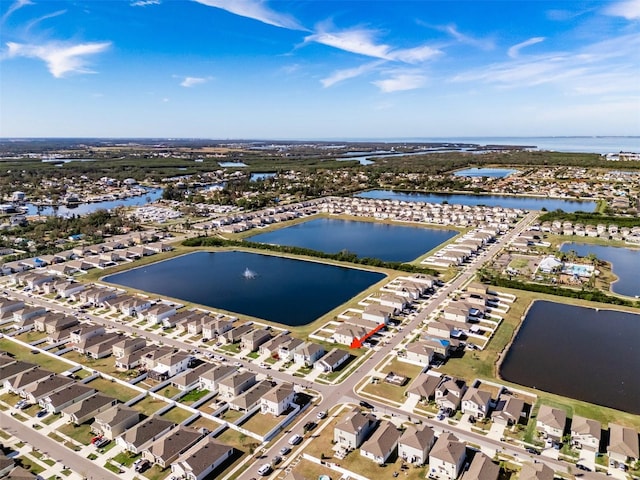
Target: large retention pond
x,y
505,201
624,263
578,352
391,243
282,290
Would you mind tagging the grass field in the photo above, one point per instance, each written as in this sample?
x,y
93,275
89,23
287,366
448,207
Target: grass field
x,y
177,415
113,389
149,405
45,361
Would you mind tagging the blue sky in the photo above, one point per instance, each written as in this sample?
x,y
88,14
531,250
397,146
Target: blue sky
x,y
312,69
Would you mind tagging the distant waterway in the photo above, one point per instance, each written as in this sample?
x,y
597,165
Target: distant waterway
x,y
578,352
261,176
506,201
485,172
282,290
151,196
392,243
624,261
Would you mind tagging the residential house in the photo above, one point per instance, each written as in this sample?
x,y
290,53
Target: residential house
x,y
141,435
346,333
251,397
39,390
212,328
482,468
166,449
28,314
254,338
191,378
440,329
84,332
210,380
419,353
440,346
11,370
396,302
202,459
333,360
150,359
114,421
382,443
308,354
170,365
536,471
551,422
623,444
101,346
233,385
446,457
271,346
288,348
159,312
278,399
235,334
8,305
127,345
88,408
354,428
476,402
378,313
65,397
450,392
424,387
585,433
54,322
415,444
24,379
508,411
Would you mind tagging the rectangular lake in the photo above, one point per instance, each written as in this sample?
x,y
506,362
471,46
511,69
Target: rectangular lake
x,y
578,352
286,291
391,243
505,201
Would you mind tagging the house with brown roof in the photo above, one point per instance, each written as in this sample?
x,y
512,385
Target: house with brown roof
x,y
333,360
8,305
170,365
415,444
536,471
10,370
424,387
141,435
54,322
585,433
251,397
382,443
39,390
287,349
623,444
450,392
191,377
278,399
85,331
482,468
308,354
354,427
271,346
419,353
127,345
158,313
446,457
233,385
254,338
210,380
134,359
101,346
88,408
115,420
235,334
23,380
476,402
508,410
166,449
346,333
65,397
202,459
212,327
551,422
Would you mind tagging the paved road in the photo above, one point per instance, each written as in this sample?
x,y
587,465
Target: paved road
x,y
331,395
54,450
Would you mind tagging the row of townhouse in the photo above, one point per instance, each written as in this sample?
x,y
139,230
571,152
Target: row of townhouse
x,y
463,248
613,232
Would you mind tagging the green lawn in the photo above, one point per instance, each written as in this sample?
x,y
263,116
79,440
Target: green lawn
x,y
193,396
31,336
149,405
24,354
177,415
231,415
30,465
169,392
126,458
261,424
113,389
81,433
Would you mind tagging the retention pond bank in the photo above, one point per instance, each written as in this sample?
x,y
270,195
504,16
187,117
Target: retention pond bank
x,y
578,352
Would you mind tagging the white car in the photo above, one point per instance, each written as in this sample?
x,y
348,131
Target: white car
x,y
264,469
295,440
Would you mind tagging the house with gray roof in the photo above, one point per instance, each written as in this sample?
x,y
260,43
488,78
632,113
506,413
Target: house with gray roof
x,y
39,390
141,435
551,422
210,380
585,433
476,402
115,420
415,444
202,459
278,399
424,387
333,360
19,383
164,451
508,410
254,338
10,370
235,384
446,457
354,427
623,443
482,468
65,397
382,443
536,471
235,334
308,354
251,397
190,378
88,408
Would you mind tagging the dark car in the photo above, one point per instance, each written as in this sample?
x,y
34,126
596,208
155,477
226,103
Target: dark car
x,y
582,467
364,404
42,413
533,451
143,466
309,426
284,450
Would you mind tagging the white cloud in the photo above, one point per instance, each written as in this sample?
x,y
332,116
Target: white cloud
x,y
514,51
17,5
193,81
362,42
348,73
483,44
145,3
31,24
400,82
629,9
256,10
60,58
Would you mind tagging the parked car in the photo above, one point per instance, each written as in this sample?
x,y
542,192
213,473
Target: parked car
x,y
103,442
322,414
364,404
309,426
295,440
42,413
276,460
533,451
582,467
143,465
284,450
264,469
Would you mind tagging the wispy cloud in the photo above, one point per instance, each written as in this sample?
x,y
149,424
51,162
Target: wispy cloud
x,y
400,82
145,3
348,73
629,9
17,5
482,44
189,82
256,10
362,42
34,22
514,51
60,58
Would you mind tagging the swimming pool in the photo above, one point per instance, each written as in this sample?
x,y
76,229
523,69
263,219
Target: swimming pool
x,y
578,269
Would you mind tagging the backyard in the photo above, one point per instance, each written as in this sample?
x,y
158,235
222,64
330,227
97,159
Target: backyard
x,y
45,361
113,389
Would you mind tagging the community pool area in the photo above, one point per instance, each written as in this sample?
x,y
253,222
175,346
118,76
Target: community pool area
x,y
578,270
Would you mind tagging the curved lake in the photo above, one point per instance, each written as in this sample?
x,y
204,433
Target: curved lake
x,y
151,196
506,201
291,292
624,262
485,172
578,352
391,243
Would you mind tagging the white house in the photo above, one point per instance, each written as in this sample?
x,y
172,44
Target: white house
x,y
277,400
